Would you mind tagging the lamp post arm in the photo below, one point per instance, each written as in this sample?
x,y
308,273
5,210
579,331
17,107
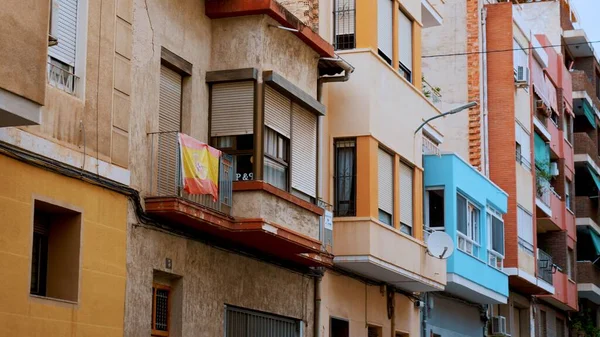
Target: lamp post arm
x,y
451,112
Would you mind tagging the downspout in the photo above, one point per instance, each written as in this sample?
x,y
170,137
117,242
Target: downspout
x,y
484,104
348,69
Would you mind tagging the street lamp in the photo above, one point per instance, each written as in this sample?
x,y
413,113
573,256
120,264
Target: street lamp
x,y
451,112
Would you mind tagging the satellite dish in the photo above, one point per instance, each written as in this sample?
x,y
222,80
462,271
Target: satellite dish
x,y
440,245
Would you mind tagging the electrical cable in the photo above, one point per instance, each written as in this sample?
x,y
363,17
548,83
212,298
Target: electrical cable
x,y
509,50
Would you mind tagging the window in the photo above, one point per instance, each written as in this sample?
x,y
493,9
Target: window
x,y
523,146
344,24
406,198
249,323
374,331
567,127
386,187
434,208
405,32
339,328
161,309
61,56
467,225
55,252
232,124
276,159
384,29
570,263
345,177
304,153
568,194
495,229
525,229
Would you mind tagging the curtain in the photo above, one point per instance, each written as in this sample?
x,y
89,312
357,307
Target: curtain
x,y
345,180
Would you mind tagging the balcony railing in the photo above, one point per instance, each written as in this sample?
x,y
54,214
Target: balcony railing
x,y
429,147
165,177
432,93
61,78
524,161
545,264
544,191
467,245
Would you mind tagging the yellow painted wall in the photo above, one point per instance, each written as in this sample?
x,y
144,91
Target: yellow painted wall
x,y
349,299
366,24
100,309
367,199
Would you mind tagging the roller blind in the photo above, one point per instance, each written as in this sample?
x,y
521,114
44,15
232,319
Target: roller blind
x,y
525,226
277,111
304,151
386,181
232,109
384,26
523,138
405,40
64,26
169,121
406,194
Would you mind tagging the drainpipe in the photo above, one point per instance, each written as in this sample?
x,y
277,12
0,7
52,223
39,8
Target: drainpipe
x,y
484,104
317,313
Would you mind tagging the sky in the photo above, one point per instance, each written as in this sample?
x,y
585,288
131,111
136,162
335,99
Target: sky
x,y
588,11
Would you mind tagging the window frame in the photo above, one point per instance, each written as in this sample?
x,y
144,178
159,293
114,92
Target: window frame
x,y
472,238
346,45
332,318
426,209
283,161
495,258
352,203
155,288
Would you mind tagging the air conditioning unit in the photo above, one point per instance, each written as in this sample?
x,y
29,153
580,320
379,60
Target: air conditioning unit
x,y
522,76
554,169
498,326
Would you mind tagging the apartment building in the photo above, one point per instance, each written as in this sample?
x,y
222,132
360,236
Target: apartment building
x,y
582,60
64,93
525,104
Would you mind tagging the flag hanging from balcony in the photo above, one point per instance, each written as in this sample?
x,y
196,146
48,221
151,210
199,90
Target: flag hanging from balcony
x,y
199,167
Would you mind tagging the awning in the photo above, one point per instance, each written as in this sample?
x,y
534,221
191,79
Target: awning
x,y
595,240
594,176
542,151
589,113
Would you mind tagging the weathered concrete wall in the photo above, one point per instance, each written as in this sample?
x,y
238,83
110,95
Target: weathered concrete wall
x,y
450,73
245,42
306,10
260,204
349,299
24,41
208,278
544,18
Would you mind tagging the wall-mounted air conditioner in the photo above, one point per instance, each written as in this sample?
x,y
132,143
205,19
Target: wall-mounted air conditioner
x,y
522,76
498,327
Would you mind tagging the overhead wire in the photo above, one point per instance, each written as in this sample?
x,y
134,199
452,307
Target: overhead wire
x,y
509,50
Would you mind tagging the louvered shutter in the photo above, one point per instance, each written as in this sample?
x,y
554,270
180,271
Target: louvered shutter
x,y
304,151
384,26
386,181
277,111
232,109
169,122
406,194
64,24
405,40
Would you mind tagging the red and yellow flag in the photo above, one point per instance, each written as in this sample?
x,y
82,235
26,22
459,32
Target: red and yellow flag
x,y
199,167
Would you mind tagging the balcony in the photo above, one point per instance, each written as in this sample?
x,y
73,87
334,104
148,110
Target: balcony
x,y
377,251
588,281
545,266
543,196
476,269
584,145
565,292
257,217
431,17
555,222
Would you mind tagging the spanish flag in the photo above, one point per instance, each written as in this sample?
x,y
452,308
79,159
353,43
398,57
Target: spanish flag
x,y
199,167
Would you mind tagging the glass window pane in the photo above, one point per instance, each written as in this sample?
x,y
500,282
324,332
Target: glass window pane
x,y
275,174
436,208
345,182
461,211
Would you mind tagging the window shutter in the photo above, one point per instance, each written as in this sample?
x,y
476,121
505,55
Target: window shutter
x,y
524,225
277,111
64,17
384,26
405,40
304,151
386,182
232,109
406,194
169,121
523,139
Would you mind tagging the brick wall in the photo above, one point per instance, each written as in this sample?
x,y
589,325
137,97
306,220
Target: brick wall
x,y
587,208
584,81
555,244
565,18
501,117
474,82
305,10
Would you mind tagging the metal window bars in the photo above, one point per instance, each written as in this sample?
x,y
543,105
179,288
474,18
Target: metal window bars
x,y
344,25
61,78
429,147
545,264
521,159
165,173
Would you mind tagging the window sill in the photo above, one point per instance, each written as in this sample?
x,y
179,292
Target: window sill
x,y
52,299
258,185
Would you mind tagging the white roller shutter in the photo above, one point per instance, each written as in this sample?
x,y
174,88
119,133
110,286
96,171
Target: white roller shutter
x,y
523,138
405,40
232,109
277,111
386,181
169,122
64,25
384,26
304,150
406,194
525,226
